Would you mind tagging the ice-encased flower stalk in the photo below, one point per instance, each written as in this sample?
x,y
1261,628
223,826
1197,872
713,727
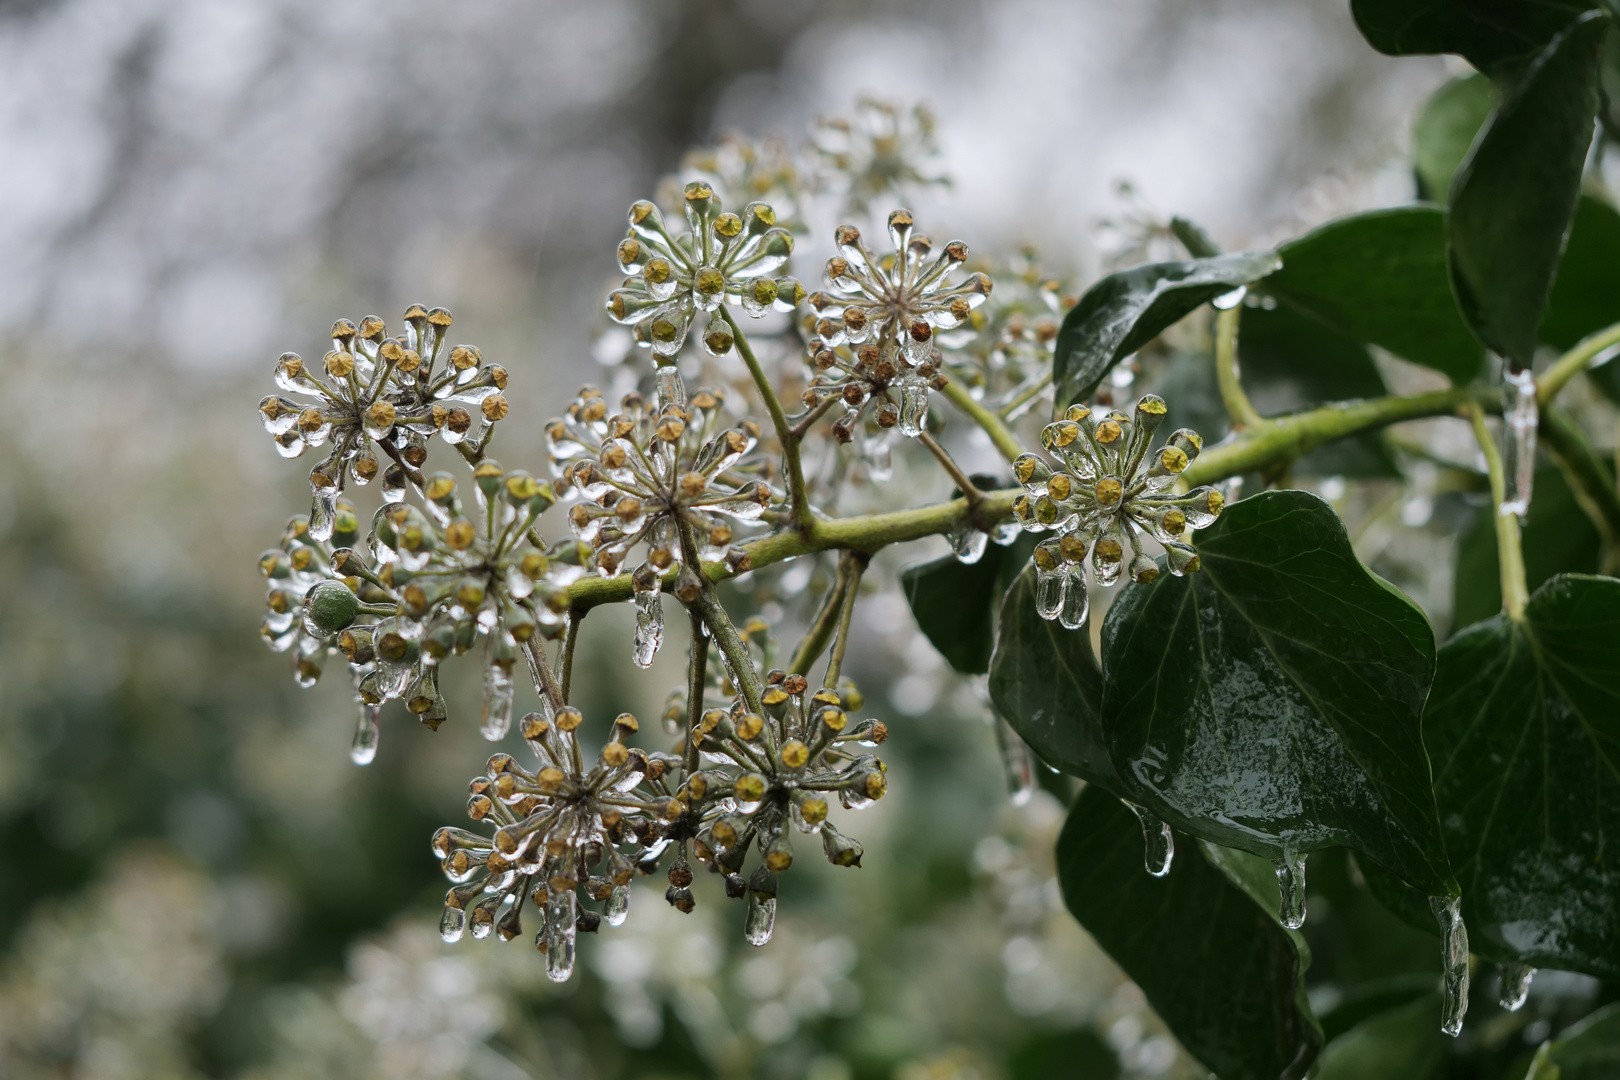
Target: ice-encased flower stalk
x,y
1520,419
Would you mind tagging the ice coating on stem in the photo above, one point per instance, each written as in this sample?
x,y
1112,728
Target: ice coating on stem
x,y
1520,418
1454,960
499,688
649,626
1516,985
617,908
561,914
1158,842
761,918
1015,762
1291,884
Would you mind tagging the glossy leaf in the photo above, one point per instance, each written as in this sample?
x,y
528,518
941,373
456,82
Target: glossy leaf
x,y
1219,970
1585,296
1272,701
1515,194
1044,680
955,603
1381,277
1524,727
1588,1050
1288,362
1500,37
1403,1042
1558,538
1126,310
1445,130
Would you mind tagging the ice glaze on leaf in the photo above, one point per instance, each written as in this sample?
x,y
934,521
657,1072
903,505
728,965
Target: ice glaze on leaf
x,y
1524,727
1381,278
1126,310
1272,701
1044,680
1219,969
1514,195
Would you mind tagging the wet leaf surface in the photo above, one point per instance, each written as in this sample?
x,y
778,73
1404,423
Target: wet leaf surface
x,y
1445,130
1500,37
955,603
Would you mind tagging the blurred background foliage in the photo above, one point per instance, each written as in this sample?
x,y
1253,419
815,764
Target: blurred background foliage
x,y
197,880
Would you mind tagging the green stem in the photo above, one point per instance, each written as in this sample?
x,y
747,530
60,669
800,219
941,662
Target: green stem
x,y
1553,379
821,630
963,484
994,426
707,606
857,566
566,662
1238,407
1030,391
799,503
694,689
1588,478
1509,556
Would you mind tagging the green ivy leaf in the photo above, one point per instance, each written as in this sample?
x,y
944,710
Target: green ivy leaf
x,y
1272,701
1044,680
1514,195
1588,1050
1290,362
1126,310
1524,726
1220,971
1381,278
1584,298
955,603
1558,538
1445,130
1404,1042
1499,37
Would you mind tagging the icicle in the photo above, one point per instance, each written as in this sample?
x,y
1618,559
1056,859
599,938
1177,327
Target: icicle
x,y
1048,593
1158,842
913,409
618,906
366,735
1516,985
1453,959
452,923
560,918
649,625
761,917
1520,418
670,389
498,691
1076,603
1015,762
1291,883
968,544
323,514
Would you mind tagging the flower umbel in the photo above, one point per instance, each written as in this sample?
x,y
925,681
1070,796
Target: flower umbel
x,y
1109,491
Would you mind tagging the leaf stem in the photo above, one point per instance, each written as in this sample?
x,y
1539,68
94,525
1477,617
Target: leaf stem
x,y
857,566
994,426
1509,555
1238,407
1576,359
821,630
708,607
799,503
963,484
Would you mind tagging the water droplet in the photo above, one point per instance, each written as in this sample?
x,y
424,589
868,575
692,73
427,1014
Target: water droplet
x,y
366,735
649,626
1015,762
1158,842
1291,883
761,917
452,923
323,514
1516,985
968,544
913,409
1520,418
1453,959
1232,299
618,906
561,914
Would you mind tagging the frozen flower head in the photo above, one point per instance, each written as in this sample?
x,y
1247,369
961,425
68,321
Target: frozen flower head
x,y
1107,491
668,477
883,150
374,388
428,582
1007,364
723,258
742,170
875,334
769,776
558,828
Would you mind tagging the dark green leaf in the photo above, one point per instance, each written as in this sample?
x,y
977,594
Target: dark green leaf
x,y
1219,970
1558,538
1445,130
1126,310
1381,278
1524,726
1272,701
1499,37
1514,195
1080,1054
1405,1042
1588,1050
1370,999
1609,82
1586,295
1290,362
1045,681
955,603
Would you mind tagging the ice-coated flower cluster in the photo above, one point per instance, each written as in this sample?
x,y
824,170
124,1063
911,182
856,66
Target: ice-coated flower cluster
x,y
724,258
665,476
1106,492
374,388
875,332
427,582
1008,363
883,149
